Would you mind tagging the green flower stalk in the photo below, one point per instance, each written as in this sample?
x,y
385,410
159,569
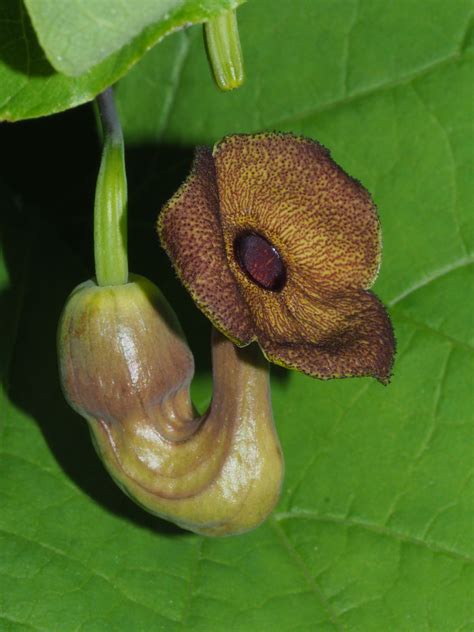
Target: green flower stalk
x,y
110,210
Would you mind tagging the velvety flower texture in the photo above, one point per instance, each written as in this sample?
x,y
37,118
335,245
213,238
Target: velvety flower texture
x,y
276,243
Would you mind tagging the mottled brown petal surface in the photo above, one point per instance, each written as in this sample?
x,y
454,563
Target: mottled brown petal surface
x,y
276,243
360,343
288,189
190,232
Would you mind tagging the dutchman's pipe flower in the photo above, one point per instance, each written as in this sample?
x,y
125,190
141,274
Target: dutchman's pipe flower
x,y
277,244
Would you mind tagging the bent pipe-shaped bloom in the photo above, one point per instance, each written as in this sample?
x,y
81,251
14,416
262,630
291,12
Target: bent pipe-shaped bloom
x,y
276,243
126,368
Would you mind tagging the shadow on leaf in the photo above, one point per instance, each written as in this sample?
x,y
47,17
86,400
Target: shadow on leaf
x,y
23,53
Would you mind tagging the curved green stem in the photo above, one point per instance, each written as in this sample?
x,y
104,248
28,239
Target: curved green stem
x,y
225,53
110,209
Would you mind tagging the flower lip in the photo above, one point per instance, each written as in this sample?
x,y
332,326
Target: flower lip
x,y
255,192
260,260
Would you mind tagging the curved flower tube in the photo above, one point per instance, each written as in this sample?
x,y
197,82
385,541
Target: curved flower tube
x,y
126,368
277,244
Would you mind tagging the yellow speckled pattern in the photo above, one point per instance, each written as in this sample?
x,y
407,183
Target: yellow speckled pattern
x,y
192,218
323,223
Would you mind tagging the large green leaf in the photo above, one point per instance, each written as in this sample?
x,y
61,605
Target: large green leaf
x,y
81,40
375,527
78,35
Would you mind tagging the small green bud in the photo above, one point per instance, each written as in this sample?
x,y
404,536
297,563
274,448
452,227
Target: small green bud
x,y
224,50
126,368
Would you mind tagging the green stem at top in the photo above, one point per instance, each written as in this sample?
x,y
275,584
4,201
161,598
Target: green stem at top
x,y
110,209
224,50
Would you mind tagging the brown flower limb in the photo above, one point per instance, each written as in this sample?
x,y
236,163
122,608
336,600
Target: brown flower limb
x,y
277,244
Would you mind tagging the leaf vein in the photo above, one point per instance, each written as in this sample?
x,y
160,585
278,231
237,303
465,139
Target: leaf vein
x,y
430,278
387,532
175,83
368,92
194,572
305,571
401,315
60,553
450,153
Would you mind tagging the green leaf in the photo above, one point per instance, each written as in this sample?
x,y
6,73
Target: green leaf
x,y
78,35
375,527
80,40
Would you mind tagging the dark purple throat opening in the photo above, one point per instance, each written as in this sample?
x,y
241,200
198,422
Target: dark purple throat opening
x,y
260,261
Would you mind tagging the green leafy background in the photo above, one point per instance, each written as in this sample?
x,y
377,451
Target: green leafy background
x,y
375,528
